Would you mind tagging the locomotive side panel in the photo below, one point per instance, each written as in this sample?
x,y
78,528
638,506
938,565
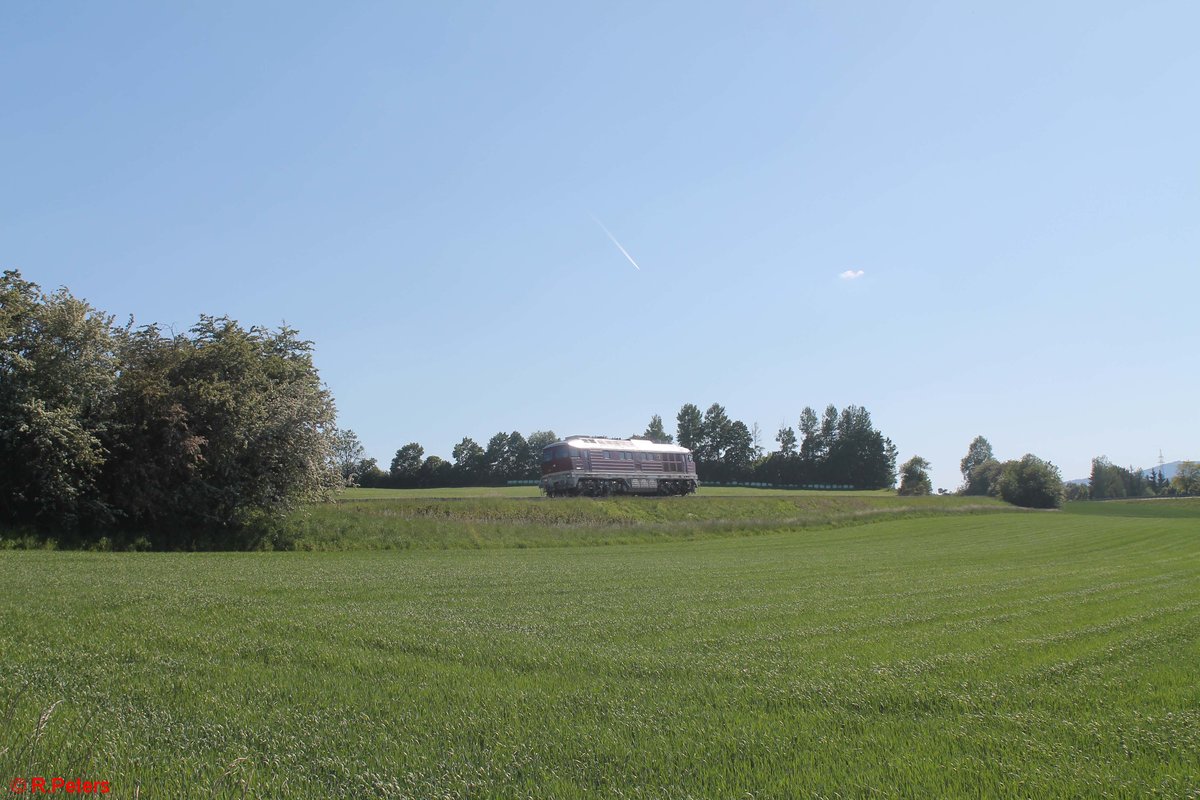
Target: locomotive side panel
x,y
595,466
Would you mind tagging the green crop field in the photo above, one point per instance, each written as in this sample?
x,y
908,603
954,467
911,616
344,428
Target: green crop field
x,y
766,646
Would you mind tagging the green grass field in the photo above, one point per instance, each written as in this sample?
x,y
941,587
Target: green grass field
x,y
931,652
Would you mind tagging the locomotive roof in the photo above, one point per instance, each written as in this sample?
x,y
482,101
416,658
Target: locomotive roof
x,y
640,445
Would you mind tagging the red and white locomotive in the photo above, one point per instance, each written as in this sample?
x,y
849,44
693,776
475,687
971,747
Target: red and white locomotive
x,y
596,467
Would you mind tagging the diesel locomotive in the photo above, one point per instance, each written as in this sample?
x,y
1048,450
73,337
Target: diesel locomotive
x,y
597,467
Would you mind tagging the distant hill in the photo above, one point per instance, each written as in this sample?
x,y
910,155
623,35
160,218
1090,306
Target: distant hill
x,y
1169,469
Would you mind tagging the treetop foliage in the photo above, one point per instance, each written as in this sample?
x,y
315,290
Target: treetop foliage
x,y
787,441
655,432
979,452
689,430
914,477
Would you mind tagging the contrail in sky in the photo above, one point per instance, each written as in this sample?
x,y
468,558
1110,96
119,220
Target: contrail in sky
x,y
618,244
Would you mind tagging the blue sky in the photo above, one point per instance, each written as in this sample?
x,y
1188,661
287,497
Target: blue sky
x,y
415,187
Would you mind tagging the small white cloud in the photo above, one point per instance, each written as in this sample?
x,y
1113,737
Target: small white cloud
x,y
851,274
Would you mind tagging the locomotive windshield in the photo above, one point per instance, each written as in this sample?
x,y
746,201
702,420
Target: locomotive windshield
x,y
554,452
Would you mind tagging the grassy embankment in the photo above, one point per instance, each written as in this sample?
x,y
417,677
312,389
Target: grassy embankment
x,y
994,655
403,519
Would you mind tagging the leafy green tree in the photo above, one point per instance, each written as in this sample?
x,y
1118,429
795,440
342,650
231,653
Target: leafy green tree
x,y
1076,491
370,475
655,432
1109,481
57,371
1137,484
818,450
859,455
518,457
196,438
689,430
156,454
914,477
717,432
256,400
508,457
882,466
787,441
216,432
739,449
52,462
1105,483
756,440
496,458
1187,479
470,462
810,444
406,464
1031,483
984,479
537,441
435,471
979,451
348,455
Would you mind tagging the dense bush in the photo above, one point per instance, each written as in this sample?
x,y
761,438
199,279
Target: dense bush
x,y
1032,483
196,439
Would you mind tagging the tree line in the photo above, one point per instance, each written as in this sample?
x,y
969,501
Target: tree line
x,y
1032,479
507,457
840,448
196,439
1110,482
